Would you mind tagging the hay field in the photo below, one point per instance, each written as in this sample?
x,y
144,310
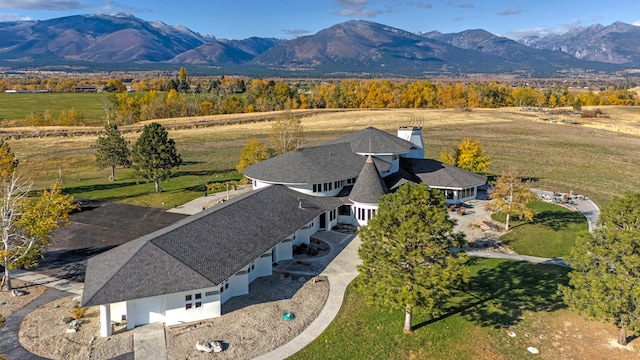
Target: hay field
x,y
600,157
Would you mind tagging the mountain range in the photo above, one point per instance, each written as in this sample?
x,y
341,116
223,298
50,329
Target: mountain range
x,y
352,48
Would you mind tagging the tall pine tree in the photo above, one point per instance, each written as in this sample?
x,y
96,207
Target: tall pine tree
x,y
154,154
606,268
405,252
112,150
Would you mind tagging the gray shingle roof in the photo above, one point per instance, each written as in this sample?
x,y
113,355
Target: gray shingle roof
x,y
202,250
308,165
435,174
311,165
369,186
375,141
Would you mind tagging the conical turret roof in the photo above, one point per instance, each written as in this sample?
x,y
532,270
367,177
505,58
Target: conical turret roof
x,y
369,186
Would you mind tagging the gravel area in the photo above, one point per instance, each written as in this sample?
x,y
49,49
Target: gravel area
x,y
252,324
9,303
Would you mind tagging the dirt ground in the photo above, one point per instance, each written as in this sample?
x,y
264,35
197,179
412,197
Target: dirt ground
x,y
252,324
9,303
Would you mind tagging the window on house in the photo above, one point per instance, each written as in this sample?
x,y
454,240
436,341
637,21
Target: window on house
x,y
198,304
198,296
344,210
187,298
188,306
226,286
211,293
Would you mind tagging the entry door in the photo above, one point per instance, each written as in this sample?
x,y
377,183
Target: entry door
x,y
323,221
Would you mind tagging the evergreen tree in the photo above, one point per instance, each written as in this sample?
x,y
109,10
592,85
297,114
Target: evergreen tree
x,y
405,252
154,154
510,196
112,150
606,268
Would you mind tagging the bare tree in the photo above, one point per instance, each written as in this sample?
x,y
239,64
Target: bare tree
x,y
286,133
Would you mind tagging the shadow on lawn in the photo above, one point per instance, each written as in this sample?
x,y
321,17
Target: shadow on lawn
x,y
97,187
498,296
558,220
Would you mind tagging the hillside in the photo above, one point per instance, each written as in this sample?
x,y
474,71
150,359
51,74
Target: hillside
x,y
353,48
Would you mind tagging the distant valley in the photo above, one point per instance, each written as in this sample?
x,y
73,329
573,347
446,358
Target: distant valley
x,y
353,48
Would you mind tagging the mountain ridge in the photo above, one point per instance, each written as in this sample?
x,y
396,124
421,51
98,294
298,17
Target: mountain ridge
x,y
355,47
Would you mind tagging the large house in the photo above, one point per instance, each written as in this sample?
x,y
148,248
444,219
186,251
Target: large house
x,y
186,271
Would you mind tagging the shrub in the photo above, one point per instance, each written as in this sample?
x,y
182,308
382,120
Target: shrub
x,y
78,312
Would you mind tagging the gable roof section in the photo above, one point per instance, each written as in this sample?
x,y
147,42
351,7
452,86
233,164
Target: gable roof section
x,y
369,186
437,174
375,141
202,250
311,165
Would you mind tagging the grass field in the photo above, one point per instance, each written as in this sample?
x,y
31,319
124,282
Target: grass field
x,y
502,297
599,158
15,107
588,160
551,234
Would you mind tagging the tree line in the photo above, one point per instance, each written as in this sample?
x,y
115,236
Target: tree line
x,y
233,95
165,97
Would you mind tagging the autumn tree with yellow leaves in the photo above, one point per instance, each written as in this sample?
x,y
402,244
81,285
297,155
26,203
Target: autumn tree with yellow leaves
x,y
252,153
468,155
511,195
27,224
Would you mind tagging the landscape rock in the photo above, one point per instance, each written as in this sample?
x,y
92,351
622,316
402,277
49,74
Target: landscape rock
x,y
209,346
17,293
67,319
302,279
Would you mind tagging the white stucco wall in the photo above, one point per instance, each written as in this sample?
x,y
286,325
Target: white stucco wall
x,y
118,310
176,312
257,184
366,208
144,311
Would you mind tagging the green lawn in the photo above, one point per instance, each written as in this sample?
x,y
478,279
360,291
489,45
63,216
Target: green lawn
x,y
551,234
501,295
182,187
15,107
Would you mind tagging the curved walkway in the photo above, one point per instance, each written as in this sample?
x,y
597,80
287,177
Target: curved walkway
x,y
586,206
340,272
500,255
9,344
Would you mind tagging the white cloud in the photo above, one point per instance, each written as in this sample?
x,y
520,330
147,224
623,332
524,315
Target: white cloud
x,y
636,23
467,5
43,4
571,24
294,33
507,12
519,34
13,17
357,8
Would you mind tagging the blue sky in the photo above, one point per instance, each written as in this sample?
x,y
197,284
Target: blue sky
x,y
291,18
